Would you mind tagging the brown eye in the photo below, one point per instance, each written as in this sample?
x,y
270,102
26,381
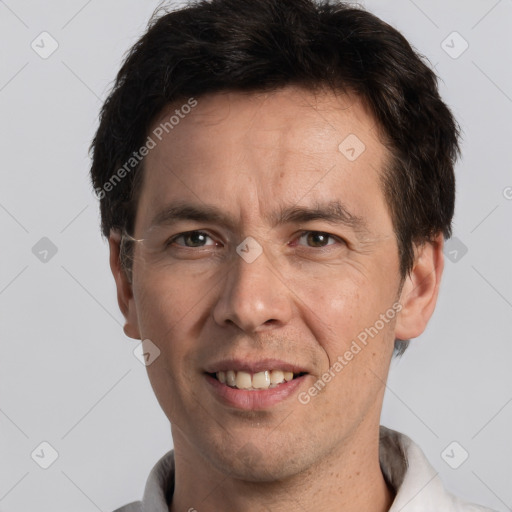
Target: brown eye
x,y
196,239
317,238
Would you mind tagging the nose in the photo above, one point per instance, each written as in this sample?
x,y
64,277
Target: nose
x,y
253,296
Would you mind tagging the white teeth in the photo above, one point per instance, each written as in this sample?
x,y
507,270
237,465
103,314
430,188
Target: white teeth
x,y
276,377
261,380
243,380
230,378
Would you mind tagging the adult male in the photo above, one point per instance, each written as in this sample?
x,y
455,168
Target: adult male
x,y
276,184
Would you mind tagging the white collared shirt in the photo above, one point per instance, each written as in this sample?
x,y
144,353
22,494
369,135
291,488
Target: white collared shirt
x,y
417,485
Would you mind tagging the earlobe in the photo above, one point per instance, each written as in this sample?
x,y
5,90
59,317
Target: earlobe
x,y
420,290
124,287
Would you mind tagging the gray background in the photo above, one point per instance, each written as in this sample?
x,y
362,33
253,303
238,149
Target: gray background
x,y
68,375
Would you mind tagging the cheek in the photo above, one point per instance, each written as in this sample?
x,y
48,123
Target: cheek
x,y
340,304
167,308
166,301
172,308
344,309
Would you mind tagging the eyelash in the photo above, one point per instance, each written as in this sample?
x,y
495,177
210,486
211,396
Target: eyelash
x,y
175,237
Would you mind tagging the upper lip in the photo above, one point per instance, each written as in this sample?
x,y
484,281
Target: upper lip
x,y
254,366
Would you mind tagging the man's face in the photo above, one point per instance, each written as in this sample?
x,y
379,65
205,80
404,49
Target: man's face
x,y
298,306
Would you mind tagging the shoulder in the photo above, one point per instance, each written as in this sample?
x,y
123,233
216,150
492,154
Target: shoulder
x,y
417,485
158,490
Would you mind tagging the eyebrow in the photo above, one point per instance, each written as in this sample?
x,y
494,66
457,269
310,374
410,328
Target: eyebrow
x,y
333,212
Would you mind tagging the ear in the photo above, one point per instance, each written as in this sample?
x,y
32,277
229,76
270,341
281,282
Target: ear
x,y
124,287
420,289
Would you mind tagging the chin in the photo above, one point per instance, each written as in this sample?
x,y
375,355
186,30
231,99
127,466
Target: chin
x,y
254,461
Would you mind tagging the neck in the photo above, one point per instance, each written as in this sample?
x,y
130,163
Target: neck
x,y
349,479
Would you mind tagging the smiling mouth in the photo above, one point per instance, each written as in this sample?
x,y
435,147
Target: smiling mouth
x,y
254,381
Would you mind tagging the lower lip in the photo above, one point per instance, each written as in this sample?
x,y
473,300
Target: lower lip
x,y
253,400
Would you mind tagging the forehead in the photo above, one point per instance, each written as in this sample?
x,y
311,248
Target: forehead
x,y
291,117
253,150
